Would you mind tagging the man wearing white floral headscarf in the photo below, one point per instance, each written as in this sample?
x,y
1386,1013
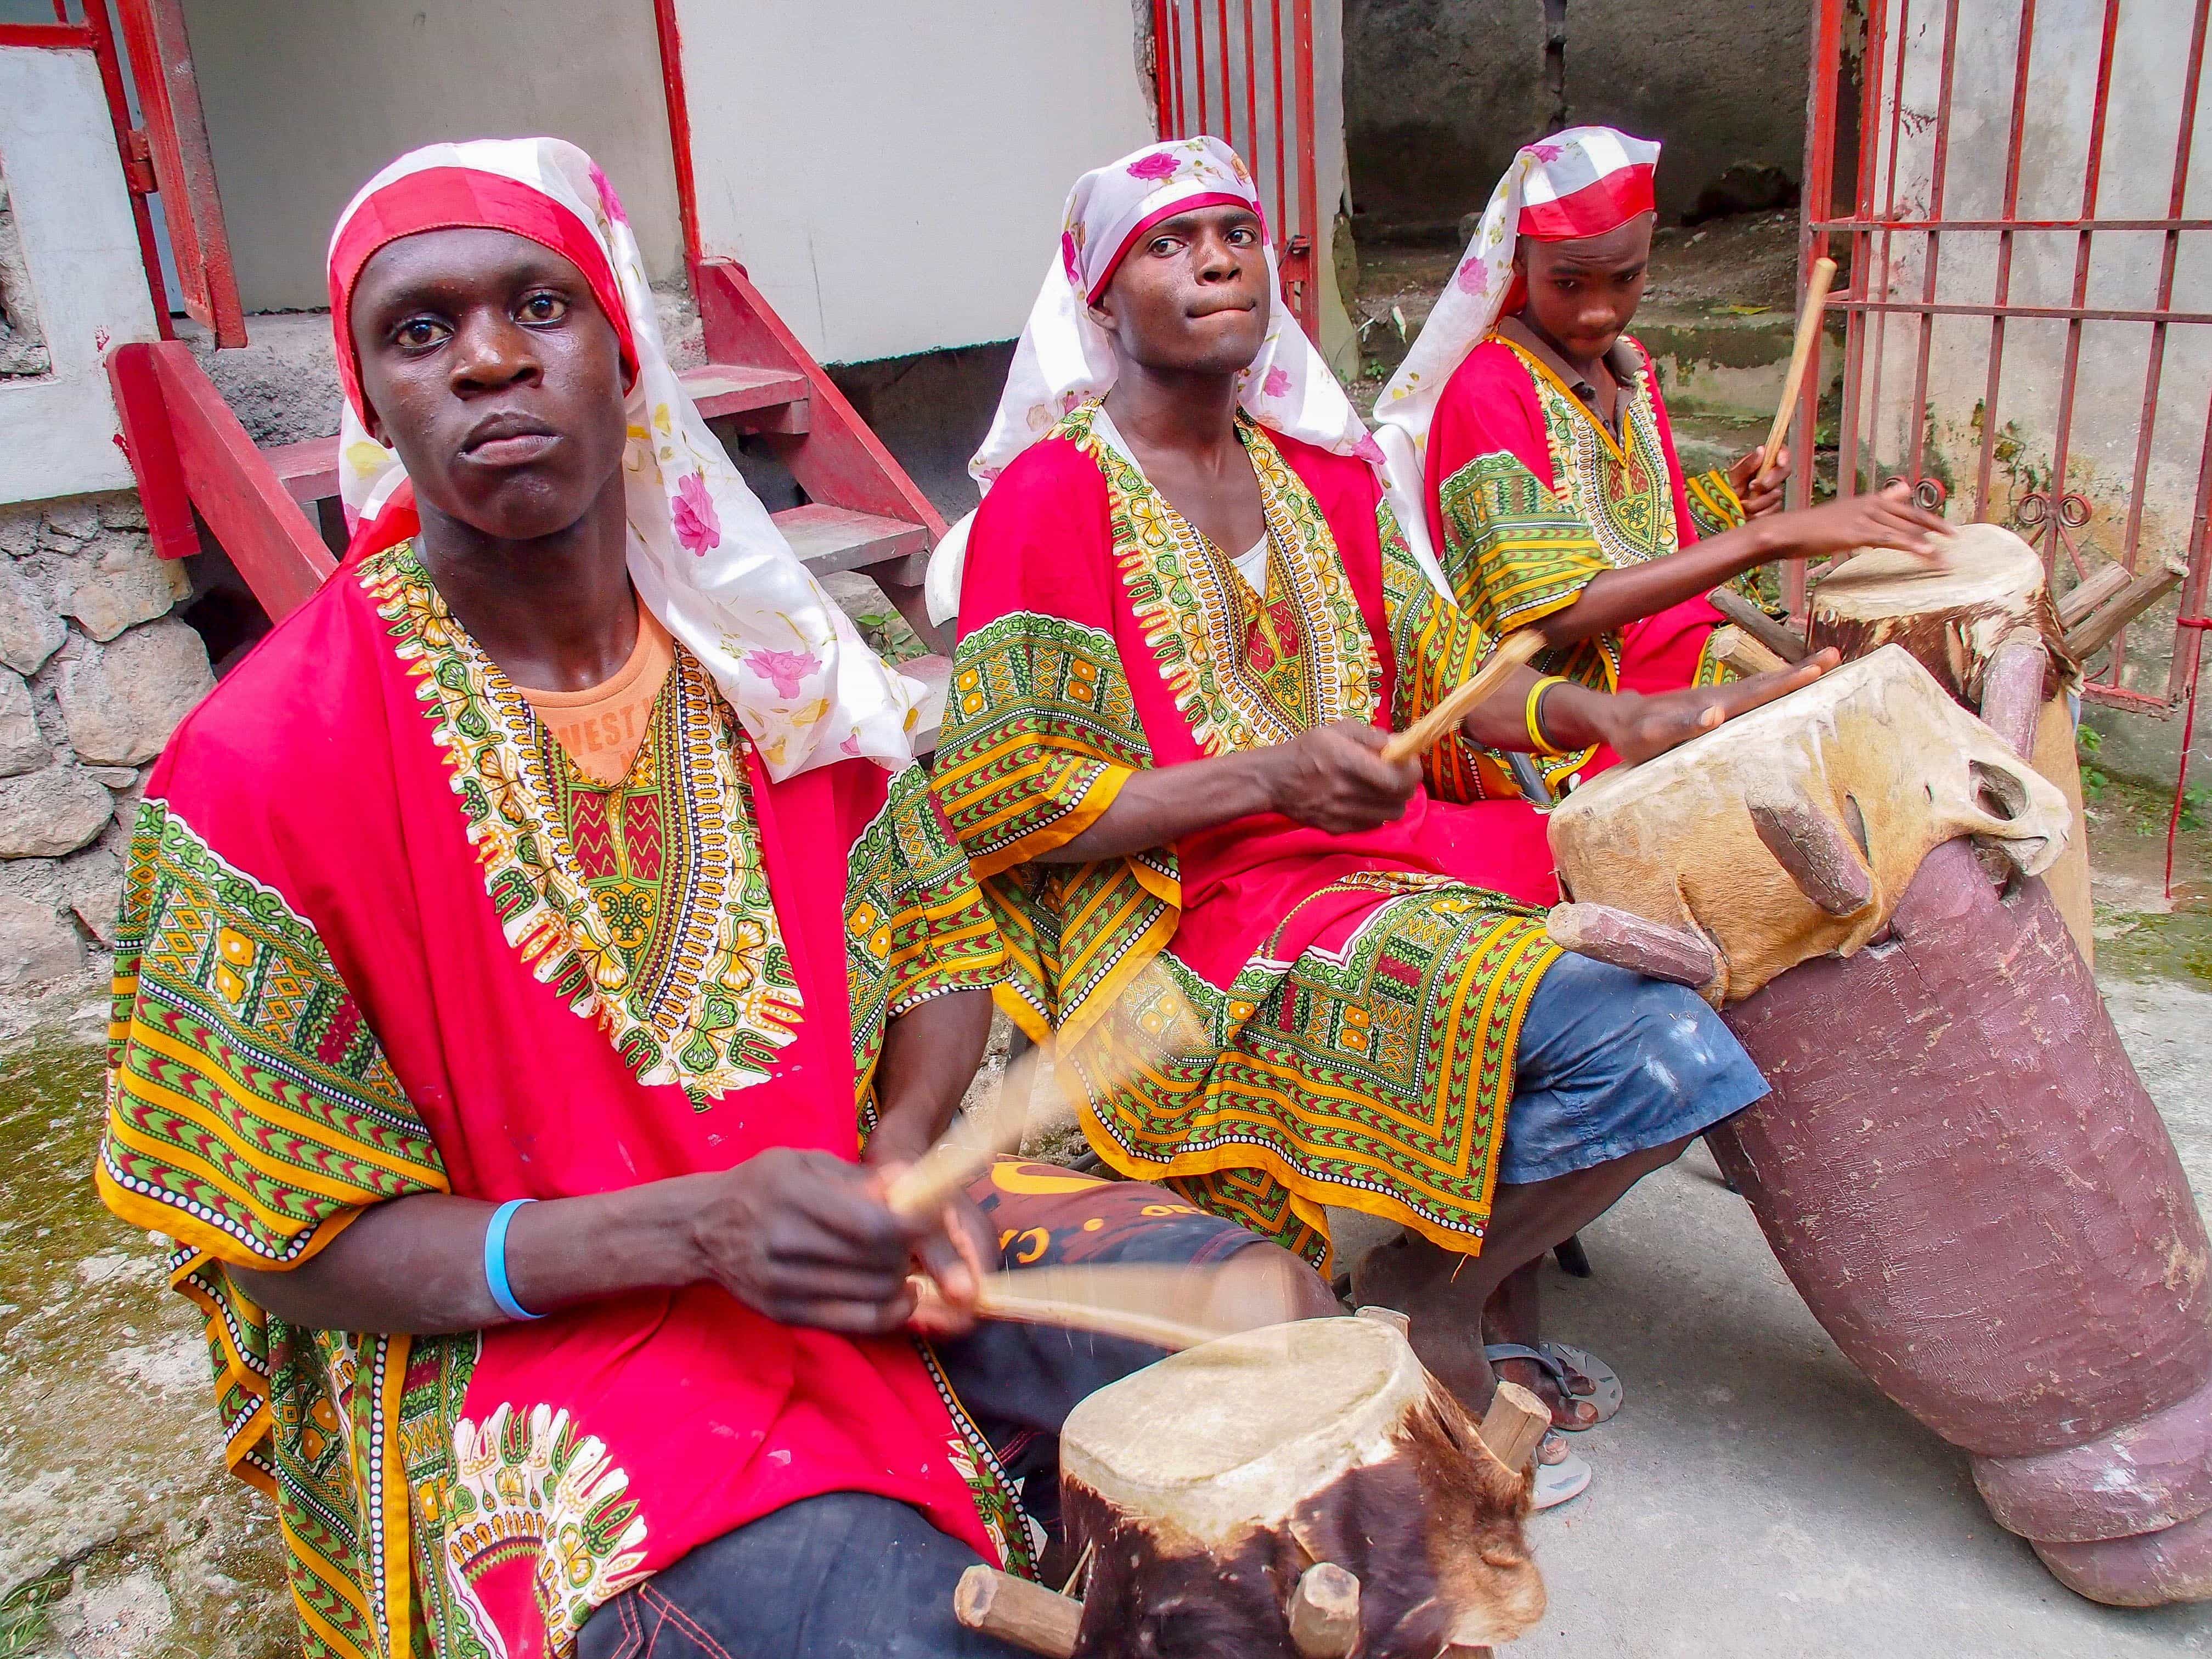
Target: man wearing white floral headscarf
x,y
1276,970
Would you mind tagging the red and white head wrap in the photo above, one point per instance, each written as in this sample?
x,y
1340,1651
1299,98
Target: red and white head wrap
x,y
1583,182
704,554
1065,359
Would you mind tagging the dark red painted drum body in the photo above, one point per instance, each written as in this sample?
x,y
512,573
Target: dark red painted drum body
x,y
1962,1175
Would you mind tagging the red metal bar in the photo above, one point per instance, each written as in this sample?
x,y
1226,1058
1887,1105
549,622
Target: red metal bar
x,y
679,123
1282,173
2084,223
2093,173
59,37
2177,193
2025,44
1940,179
104,54
1818,198
1302,36
1198,56
1161,120
1251,90
1869,271
1228,103
2055,314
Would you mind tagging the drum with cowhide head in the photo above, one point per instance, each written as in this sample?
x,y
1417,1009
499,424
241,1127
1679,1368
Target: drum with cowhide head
x,y
1203,1489
1958,1167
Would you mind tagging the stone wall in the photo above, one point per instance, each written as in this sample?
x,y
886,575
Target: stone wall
x,y
95,672
1439,94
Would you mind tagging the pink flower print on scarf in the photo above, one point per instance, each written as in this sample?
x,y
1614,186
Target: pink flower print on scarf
x,y
1158,164
1545,153
1474,278
785,669
1069,258
1278,383
698,527
608,199
1368,450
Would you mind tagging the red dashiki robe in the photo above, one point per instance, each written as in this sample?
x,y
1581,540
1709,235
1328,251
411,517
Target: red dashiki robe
x,y
1529,495
1269,1018
381,937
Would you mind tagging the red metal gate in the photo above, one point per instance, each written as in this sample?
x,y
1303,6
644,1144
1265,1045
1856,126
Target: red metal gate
x,y
2053,377
1243,72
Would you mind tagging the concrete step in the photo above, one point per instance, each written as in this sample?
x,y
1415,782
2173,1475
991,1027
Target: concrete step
x,y
829,538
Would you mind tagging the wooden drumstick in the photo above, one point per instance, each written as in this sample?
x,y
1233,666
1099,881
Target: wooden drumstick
x,y
1514,1424
1809,318
1424,734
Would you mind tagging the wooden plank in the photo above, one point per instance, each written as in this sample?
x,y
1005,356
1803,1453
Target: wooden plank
x,y
721,390
1022,1614
151,449
273,544
308,470
829,538
840,460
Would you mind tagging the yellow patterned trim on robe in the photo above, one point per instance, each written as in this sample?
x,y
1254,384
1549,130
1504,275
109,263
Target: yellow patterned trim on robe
x,y
722,999
1198,612
1040,734
252,1115
1714,508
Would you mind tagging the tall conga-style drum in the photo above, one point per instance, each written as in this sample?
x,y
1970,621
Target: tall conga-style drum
x,y
1982,623
1202,1490
1958,1167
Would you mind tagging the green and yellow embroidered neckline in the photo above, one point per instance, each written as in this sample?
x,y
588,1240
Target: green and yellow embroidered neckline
x,y
1246,670
645,904
1624,489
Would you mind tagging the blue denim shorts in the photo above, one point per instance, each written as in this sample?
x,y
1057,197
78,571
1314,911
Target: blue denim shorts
x,y
1611,1062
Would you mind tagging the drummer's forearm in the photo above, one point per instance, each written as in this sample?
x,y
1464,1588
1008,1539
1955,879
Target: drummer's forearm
x,y
1614,599
1500,720
1159,805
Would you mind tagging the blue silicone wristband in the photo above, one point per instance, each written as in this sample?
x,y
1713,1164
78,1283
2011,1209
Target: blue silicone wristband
x,y
495,1260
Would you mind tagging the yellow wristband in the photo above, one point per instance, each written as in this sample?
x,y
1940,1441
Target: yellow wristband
x,y
1542,745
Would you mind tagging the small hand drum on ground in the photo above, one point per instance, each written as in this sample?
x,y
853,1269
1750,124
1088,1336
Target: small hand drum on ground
x,y
1958,1167
1303,1490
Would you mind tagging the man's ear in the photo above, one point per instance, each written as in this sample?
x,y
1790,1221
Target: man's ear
x,y
1103,314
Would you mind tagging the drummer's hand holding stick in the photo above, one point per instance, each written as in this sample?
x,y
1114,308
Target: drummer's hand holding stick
x,y
1613,598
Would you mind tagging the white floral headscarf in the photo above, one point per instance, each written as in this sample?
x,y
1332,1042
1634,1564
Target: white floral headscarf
x,y
1584,181
1065,359
705,556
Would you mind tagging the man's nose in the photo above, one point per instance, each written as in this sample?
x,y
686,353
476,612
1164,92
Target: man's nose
x,y
494,352
1216,260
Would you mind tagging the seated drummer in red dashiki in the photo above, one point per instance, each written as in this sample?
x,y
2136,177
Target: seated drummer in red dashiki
x,y
1532,452
501,1060
1278,972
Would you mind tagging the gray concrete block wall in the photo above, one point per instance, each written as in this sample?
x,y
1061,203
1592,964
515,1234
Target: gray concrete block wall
x,y
96,670
1439,94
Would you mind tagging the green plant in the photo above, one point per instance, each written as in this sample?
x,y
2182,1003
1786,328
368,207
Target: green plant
x,y
23,1610
2192,809
2089,740
2093,783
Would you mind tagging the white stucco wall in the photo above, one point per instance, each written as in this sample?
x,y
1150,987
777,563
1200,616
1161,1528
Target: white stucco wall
x,y
893,174
306,100
2150,62
57,432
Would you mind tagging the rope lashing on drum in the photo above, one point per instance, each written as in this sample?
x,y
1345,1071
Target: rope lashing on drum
x,y
2195,625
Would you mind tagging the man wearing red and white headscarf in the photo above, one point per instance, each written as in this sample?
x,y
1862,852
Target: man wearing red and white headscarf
x,y
517,949
1532,456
